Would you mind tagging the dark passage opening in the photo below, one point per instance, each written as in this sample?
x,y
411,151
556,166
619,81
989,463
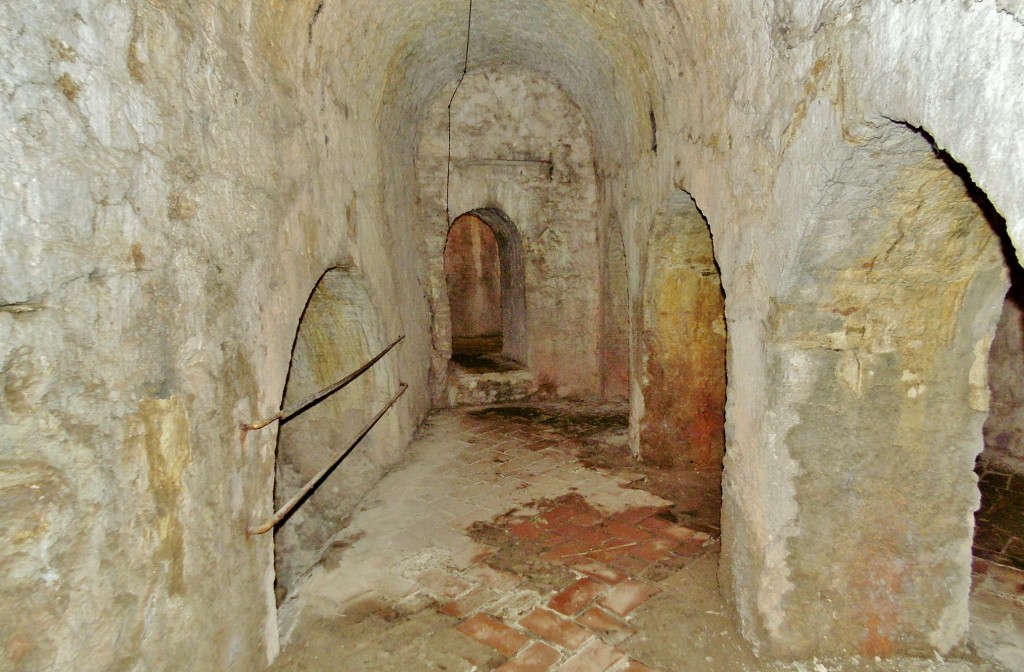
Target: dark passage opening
x,y
484,275
473,273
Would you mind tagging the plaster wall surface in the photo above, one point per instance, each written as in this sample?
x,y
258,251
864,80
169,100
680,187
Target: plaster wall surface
x,y
176,177
168,203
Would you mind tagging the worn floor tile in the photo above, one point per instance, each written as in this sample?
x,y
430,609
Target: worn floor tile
x,y
555,628
595,657
577,597
625,597
537,657
608,627
495,634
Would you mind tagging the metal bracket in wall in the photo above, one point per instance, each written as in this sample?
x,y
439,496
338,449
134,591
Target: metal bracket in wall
x,y
314,482
286,413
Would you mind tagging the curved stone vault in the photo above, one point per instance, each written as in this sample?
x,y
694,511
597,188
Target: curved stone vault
x,y
177,177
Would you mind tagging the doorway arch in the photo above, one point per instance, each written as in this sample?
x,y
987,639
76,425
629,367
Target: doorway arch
x,y
469,261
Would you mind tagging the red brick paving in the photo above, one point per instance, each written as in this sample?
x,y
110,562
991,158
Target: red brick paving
x,y
493,633
676,532
576,597
627,596
537,657
623,533
442,583
612,550
564,551
555,628
654,524
526,531
637,514
631,565
595,657
596,570
470,602
608,554
604,624
654,550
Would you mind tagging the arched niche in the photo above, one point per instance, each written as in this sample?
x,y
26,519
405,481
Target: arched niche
x,y
486,283
850,530
339,330
679,396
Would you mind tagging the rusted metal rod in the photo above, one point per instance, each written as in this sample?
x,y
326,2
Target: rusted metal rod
x,y
286,413
311,485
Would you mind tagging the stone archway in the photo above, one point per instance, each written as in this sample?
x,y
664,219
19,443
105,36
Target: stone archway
x,y
679,397
339,330
486,283
477,239
473,277
481,240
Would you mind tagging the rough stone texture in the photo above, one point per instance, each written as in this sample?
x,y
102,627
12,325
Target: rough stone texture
x,y
880,395
177,176
471,388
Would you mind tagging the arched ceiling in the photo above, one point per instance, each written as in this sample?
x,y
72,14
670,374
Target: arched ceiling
x,y
594,51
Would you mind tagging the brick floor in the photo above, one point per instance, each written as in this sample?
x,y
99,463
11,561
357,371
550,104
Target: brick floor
x,y
624,598
532,561
537,657
607,626
576,597
595,657
495,634
555,628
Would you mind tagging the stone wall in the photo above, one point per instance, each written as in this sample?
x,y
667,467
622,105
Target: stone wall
x,y
173,187
877,360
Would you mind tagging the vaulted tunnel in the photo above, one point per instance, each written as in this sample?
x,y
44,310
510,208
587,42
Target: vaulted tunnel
x,y
178,177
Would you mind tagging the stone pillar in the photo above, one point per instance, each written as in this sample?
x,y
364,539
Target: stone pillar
x,y
849,528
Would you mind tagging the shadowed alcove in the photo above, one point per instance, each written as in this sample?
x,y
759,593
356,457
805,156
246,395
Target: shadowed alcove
x,y
680,397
